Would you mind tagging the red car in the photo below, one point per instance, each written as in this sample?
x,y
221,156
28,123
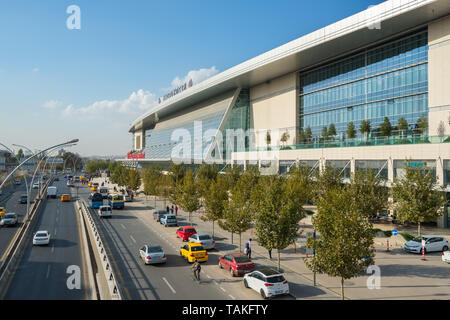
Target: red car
x,y
237,263
185,232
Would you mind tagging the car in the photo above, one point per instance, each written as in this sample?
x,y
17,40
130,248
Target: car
x,y
267,282
9,219
105,211
116,201
36,185
17,182
185,232
152,254
2,212
169,220
204,239
41,238
127,197
65,198
56,179
90,184
432,244
23,198
192,251
446,256
77,179
157,215
103,191
70,183
237,264
52,192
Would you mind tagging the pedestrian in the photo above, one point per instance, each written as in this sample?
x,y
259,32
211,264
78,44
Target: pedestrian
x,y
171,209
167,209
248,248
176,210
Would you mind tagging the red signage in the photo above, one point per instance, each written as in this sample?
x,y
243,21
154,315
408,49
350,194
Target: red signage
x,y
135,155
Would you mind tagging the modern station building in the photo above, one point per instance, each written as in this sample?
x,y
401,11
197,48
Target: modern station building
x,y
321,100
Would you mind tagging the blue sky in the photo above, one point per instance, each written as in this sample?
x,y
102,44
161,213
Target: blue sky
x,y
57,84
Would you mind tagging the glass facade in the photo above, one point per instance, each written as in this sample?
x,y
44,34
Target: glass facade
x,y
426,165
342,165
388,80
379,167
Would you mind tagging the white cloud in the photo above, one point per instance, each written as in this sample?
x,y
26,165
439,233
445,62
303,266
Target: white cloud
x,y
35,69
52,104
197,76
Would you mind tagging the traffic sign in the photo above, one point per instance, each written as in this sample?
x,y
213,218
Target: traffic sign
x,y
395,232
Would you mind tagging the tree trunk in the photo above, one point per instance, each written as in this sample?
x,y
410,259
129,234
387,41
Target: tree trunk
x,y
231,237
342,288
213,229
418,228
279,261
240,242
189,218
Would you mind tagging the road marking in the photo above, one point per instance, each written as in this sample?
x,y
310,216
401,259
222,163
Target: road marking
x,y
223,289
48,271
53,248
55,231
232,297
215,282
168,284
208,276
123,226
132,238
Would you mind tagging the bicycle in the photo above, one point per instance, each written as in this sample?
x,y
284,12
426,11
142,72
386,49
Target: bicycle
x,y
196,275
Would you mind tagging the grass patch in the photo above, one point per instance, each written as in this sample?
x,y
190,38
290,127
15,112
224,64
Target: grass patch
x,y
407,236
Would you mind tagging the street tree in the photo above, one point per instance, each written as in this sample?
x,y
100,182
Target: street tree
x,y
214,201
417,198
151,178
189,197
343,248
134,180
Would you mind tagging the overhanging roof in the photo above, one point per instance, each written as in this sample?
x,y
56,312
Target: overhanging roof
x,y
392,17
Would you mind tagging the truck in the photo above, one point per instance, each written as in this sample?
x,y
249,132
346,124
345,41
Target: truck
x,y
51,192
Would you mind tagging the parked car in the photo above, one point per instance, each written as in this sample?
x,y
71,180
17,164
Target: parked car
x,y
157,215
169,220
237,264
192,251
152,254
446,256
65,198
267,282
204,239
432,243
9,219
105,212
185,232
41,238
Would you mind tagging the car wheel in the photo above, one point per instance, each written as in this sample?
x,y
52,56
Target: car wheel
x,y
232,272
220,265
445,248
263,295
246,284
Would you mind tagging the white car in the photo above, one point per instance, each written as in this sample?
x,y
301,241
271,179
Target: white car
x,y
36,185
446,256
267,282
204,239
41,238
105,212
432,243
152,254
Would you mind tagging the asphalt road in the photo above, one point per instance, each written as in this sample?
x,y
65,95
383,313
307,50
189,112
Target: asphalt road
x,y
125,235
9,199
42,273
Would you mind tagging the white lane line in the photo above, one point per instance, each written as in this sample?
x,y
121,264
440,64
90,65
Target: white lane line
x,y
132,238
55,231
123,226
232,297
208,276
168,284
53,248
48,271
215,282
223,289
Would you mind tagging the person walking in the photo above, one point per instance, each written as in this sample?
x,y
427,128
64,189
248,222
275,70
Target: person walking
x,y
167,209
248,248
176,210
171,209
196,268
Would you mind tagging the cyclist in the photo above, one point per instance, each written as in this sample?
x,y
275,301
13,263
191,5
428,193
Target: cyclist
x,y
196,268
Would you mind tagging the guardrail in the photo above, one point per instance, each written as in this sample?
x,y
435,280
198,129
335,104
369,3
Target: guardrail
x,y
16,250
114,288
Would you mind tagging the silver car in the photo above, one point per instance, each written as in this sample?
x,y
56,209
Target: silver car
x,y
9,219
432,243
152,254
204,239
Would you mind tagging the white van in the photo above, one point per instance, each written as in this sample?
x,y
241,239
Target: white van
x,y
105,211
51,192
103,191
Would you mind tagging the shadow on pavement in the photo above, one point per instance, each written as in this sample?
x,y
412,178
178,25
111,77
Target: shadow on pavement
x,y
61,243
119,216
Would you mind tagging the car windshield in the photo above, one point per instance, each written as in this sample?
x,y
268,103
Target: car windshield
x,y
275,279
419,239
106,209
9,216
204,237
189,230
155,249
242,259
198,248
170,217
118,198
41,234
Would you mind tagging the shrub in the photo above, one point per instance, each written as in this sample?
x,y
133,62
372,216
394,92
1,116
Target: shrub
x,y
388,233
407,236
309,212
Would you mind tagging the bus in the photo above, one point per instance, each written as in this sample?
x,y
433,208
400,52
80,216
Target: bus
x,y
104,191
95,200
116,201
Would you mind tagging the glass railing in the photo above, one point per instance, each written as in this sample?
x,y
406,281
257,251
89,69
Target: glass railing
x,y
361,142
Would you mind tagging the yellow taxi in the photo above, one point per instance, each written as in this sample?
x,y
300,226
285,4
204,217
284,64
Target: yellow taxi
x,y
65,197
90,184
94,187
2,212
192,251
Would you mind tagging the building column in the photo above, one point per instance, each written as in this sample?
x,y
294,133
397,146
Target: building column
x,y
440,172
391,170
352,166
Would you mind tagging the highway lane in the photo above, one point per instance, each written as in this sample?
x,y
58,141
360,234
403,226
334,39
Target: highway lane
x,y
125,235
9,200
42,273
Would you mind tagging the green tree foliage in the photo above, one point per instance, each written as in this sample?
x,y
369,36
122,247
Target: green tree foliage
x,y
20,154
351,131
386,128
134,180
308,134
343,248
402,125
214,201
284,137
417,201
332,130
232,175
326,180
205,175
368,192
365,128
324,133
268,138
173,183
151,178
422,124
189,198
